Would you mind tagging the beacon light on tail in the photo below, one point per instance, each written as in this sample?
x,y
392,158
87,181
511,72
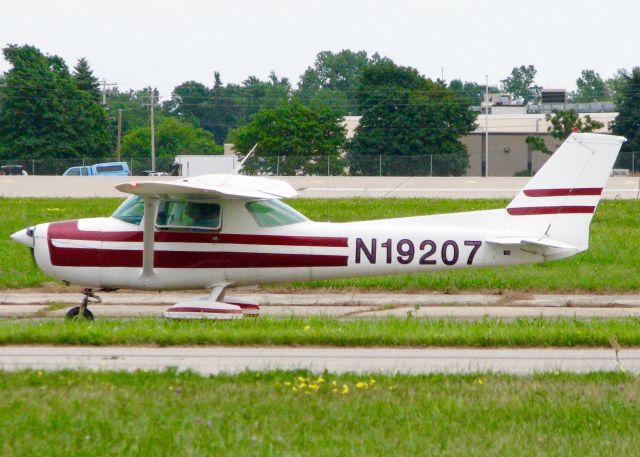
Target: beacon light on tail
x,y
222,231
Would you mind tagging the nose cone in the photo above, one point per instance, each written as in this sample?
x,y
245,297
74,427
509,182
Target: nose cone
x,y
24,236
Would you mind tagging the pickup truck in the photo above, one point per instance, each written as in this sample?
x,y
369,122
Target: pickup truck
x,y
100,169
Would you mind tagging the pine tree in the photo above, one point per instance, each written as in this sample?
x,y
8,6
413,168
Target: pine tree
x,y
86,81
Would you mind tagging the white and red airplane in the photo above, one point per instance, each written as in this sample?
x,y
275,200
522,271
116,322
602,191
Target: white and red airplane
x,y
221,231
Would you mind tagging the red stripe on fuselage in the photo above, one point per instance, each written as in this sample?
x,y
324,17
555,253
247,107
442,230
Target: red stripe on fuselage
x,y
114,258
539,210
68,230
563,192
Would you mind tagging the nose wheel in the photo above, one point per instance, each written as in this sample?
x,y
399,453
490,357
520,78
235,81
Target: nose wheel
x,y
82,312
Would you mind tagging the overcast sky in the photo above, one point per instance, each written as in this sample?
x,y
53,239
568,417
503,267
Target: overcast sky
x,y
164,43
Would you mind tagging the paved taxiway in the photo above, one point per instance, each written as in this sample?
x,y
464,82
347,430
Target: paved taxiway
x,y
215,360
313,186
346,305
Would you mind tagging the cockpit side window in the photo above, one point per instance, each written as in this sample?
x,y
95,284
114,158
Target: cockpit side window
x,y
131,210
184,215
274,213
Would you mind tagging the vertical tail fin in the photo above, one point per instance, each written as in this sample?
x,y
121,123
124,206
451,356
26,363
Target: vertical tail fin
x,y
560,200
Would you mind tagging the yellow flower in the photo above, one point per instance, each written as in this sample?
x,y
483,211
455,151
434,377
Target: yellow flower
x,y
307,328
345,389
480,381
372,381
301,379
362,385
334,390
54,209
295,389
314,386
334,383
320,380
302,385
287,383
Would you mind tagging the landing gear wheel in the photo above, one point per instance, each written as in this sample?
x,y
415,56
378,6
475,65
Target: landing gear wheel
x,y
82,312
74,313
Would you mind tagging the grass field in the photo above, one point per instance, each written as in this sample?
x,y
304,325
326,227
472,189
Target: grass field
x,y
612,263
328,332
296,413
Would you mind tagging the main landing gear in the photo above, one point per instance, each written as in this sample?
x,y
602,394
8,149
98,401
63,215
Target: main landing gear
x,y
82,312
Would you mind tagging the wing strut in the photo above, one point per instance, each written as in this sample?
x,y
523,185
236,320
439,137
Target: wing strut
x,y
150,212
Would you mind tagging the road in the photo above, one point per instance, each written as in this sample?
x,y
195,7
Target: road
x,y
215,360
312,186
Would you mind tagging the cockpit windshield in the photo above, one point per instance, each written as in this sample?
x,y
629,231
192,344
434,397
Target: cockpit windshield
x,y
274,213
131,210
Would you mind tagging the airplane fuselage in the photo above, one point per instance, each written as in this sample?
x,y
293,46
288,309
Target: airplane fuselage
x,y
108,253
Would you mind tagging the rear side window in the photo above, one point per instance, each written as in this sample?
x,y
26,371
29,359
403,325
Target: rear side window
x,y
73,172
274,213
193,216
109,168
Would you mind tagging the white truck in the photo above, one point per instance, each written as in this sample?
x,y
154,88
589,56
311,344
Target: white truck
x,y
195,165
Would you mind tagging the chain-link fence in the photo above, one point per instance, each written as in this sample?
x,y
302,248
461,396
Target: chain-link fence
x,y
137,165
282,165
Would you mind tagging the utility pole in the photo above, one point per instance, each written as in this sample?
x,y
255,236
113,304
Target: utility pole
x,y
153,137
486,127
104,90
119,147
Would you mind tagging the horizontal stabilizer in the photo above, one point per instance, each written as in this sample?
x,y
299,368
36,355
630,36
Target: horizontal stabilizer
x,y
543,246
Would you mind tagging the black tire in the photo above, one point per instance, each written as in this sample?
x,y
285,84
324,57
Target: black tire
x,y
74,313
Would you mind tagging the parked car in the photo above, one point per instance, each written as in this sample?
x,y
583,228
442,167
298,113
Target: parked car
x,y
13,170
100,169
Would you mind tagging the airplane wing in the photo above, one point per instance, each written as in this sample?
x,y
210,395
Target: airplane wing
x,y
230,186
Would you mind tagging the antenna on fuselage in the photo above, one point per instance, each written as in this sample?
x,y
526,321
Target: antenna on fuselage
x,y
245,159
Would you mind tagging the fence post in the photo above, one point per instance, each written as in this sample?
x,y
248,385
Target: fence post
x,y
431,160
328,172
633,163
278,166
380,163
33,167
131,165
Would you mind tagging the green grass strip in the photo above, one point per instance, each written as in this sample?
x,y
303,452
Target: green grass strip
x,y
322,331
296,413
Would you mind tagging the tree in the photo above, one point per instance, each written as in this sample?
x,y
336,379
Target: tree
x,y
135,106
334,73
617,83
44,112
86,80
405,118
191,101
590,88
472,91
563,124
292,139
627,123
173,137
521,84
